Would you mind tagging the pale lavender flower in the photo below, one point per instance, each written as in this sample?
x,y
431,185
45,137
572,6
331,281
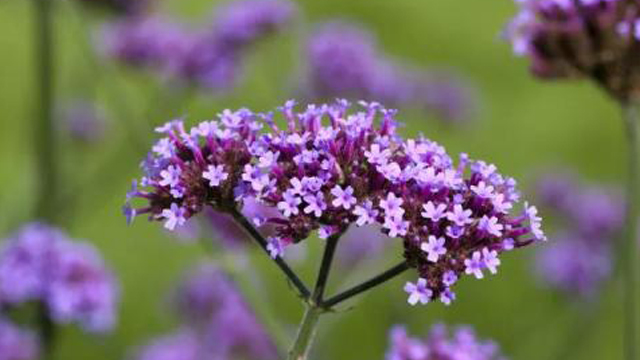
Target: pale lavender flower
x,y
181,345
17,343
434,248
439,345
474,265
215,175
343,198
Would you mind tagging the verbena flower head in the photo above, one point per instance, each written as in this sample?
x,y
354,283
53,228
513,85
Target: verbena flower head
x,y
439,345
580,258
40,263
331,167
17,343
595,39
211,303
343,60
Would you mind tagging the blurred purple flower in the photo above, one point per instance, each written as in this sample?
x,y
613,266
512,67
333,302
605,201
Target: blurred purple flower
x,y
39,263
184,344
210,302
17,343
359,244
84,121
211,58
343,60
580,258
462,345
575,265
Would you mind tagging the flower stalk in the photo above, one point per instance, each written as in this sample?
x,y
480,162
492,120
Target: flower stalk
x,y
629,247
44,142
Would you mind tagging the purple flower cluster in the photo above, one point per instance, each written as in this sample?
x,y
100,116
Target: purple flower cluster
x,y
463,345
40,263
218,323
210,57
343,60
596,39
16,343
580,257
453,220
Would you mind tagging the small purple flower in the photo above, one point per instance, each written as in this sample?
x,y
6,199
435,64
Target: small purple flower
x,y
275,246
175,216
433,212
459,215
316,204
483,190
392,206
343,198
490,226
434,247
449,278
396,226
289,204
170,176
215,175
447,297
418,292
475,265
366,213
376,155
490,259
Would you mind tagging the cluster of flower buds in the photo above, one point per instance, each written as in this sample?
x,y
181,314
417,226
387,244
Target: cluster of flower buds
x,y
440,346
41,264
329,168
596,39
343,60
580,258
218,323
211,57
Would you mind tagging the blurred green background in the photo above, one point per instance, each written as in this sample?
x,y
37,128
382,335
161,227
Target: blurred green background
x,y
524,126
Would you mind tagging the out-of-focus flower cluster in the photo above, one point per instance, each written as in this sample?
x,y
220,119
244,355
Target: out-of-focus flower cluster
x,y
453,219
84,121
580,257
343,60
210,57
596,39
218,323
439,345
17,343
41,264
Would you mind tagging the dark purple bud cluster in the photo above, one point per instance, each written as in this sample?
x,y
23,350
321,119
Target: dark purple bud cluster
x,y
596,39
330,167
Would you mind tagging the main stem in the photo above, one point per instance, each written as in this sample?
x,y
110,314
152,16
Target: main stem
x,y
306,333
44,142
629,254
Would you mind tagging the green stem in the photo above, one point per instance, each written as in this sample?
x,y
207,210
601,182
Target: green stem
x,y
44,142
306,333
43,128
629,247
